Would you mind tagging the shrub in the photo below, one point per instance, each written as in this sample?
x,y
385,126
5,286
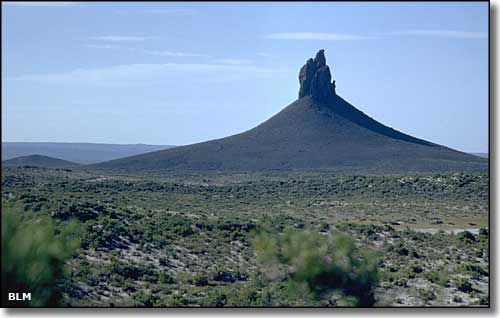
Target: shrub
x,y
440,278
175,300
165,278
466,237
200,280
144,299
483,301
475,271
34,253
464,285
215,299
323,264
426,294
483,231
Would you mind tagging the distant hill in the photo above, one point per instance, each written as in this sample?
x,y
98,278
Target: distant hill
x,y
38,161
84,153
480,154
320,130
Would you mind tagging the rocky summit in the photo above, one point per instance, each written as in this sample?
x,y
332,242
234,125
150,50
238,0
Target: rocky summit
x,y
318,131
315,79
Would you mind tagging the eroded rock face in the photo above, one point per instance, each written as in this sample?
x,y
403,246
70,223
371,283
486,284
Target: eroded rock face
x,y
315,78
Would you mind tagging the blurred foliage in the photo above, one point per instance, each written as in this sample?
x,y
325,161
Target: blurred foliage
x,y
34,252
319,267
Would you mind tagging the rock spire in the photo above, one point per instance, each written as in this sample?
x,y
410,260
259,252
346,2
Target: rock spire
x,y
315,79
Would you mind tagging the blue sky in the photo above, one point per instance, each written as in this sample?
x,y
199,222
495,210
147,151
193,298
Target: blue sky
x,y
178,73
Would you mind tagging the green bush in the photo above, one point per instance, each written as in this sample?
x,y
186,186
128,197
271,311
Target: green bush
x,y
175,300
466,237
165,278
200,280
34,253
133,271
464,285
320,265
438,277
483,231
215,299
144,299
426,294
483,301
475,271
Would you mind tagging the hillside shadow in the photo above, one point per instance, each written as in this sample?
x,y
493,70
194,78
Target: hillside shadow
x,y
348,111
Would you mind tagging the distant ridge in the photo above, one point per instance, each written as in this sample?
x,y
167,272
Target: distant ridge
x,y
320,130
84,153
38,161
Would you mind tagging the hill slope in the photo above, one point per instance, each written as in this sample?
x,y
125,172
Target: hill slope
x,y
77,152
38,161
320,130
480,154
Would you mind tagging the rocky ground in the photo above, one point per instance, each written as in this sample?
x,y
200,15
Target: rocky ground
x,y
187,241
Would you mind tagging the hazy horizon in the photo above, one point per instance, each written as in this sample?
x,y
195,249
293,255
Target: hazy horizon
x,y
184,73
147,144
